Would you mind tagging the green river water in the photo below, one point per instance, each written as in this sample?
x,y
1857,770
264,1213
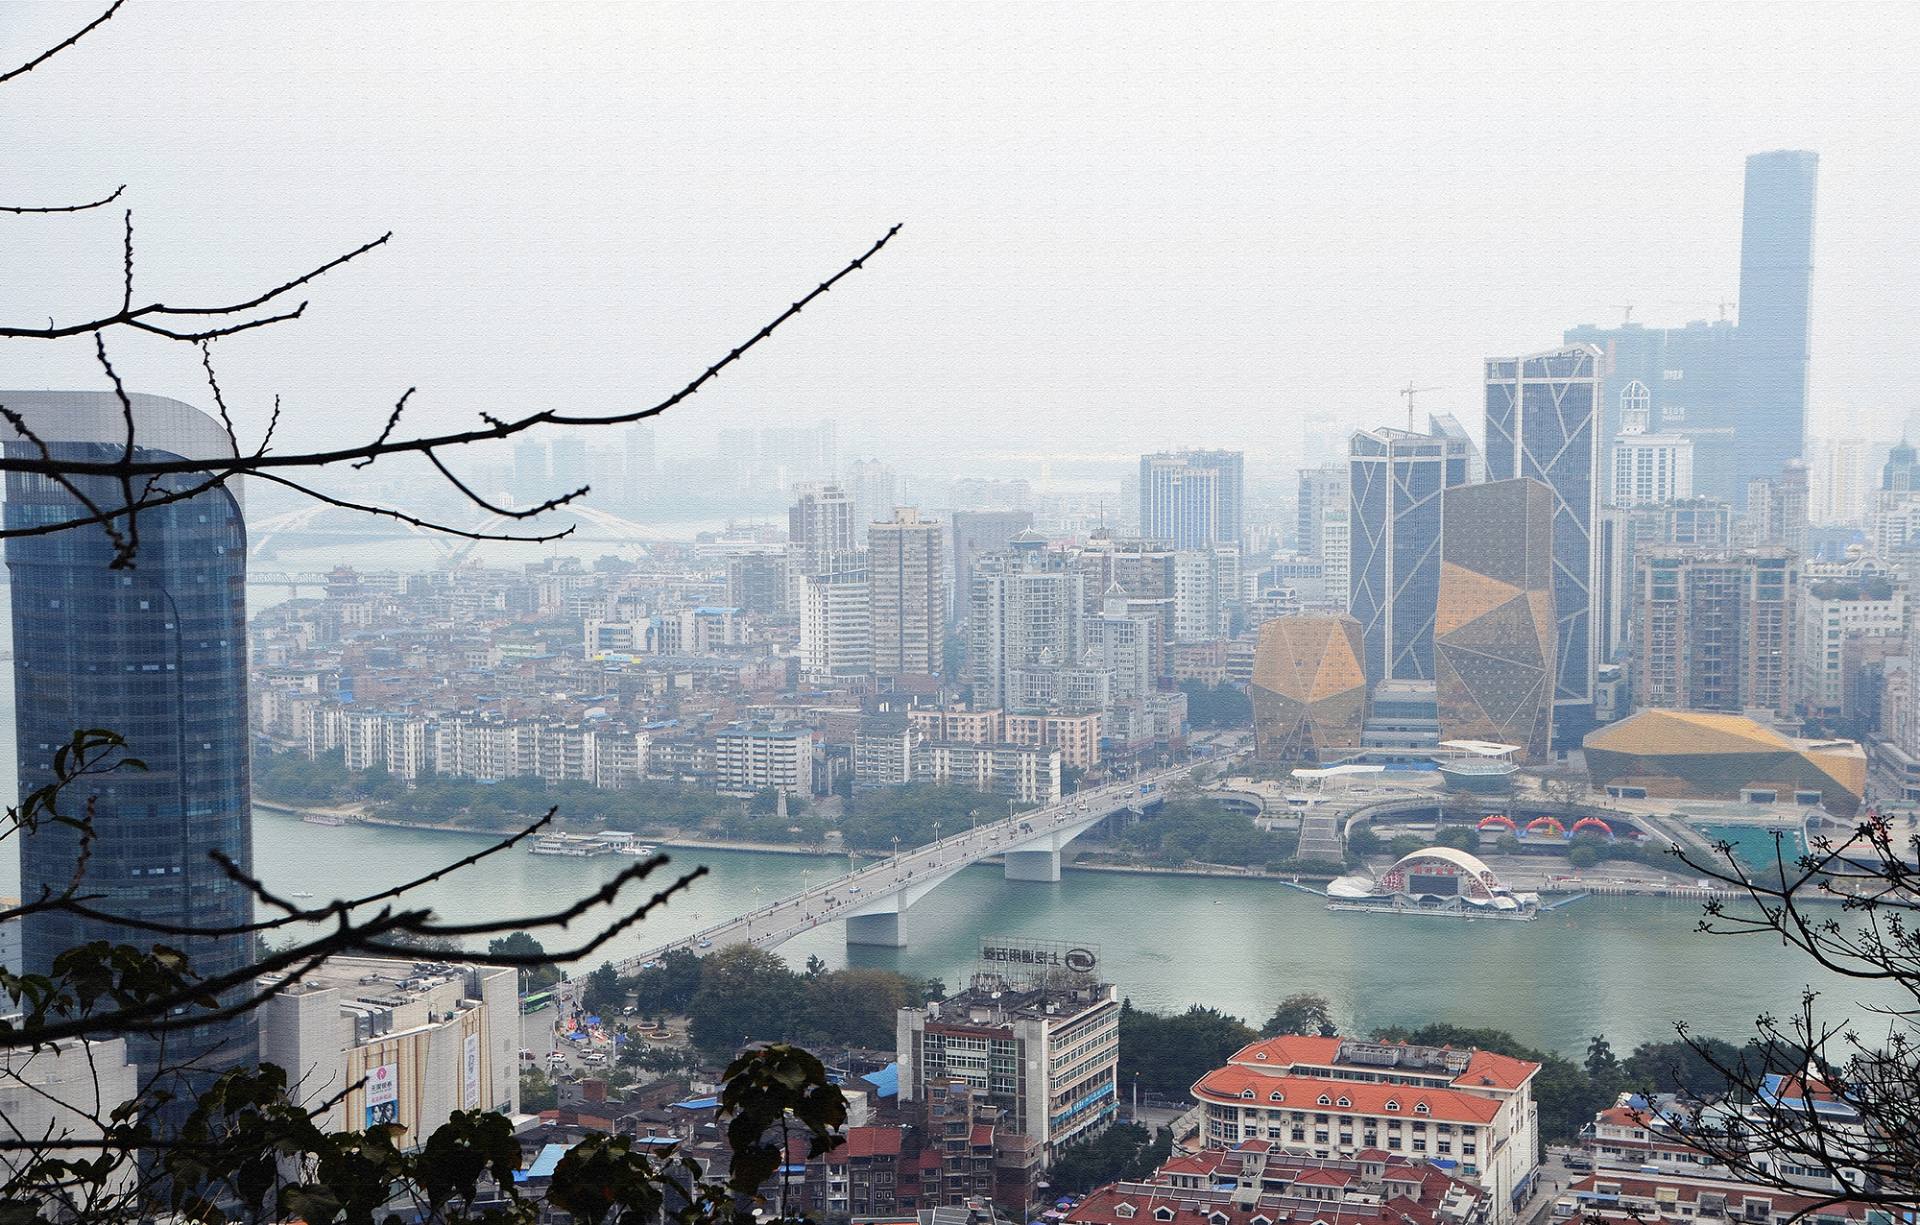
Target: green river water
x,y
1626,967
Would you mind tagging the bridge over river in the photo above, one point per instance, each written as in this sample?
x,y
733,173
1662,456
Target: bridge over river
x,y
870,900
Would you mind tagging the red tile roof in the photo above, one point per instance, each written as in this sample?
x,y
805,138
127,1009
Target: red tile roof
x,y
983,1135
871,1142
1288,1049
1304,1093
1485,1070
1199,1163
1412,1199
1324,1178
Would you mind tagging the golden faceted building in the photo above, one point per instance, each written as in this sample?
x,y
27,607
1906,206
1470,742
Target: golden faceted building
x,y
1706,755
1309,687
1493,629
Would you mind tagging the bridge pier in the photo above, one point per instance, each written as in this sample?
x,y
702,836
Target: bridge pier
x,y
1037,863
882,930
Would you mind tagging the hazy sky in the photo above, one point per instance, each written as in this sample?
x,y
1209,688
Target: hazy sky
x,y
1125,227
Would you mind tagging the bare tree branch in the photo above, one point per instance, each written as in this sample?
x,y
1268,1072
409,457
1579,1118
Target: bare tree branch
x,y
52,51
27,210
141,316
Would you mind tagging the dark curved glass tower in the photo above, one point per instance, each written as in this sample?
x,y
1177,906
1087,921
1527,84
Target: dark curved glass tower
x,y
157,653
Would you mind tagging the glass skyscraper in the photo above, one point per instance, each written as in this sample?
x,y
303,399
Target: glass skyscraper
x,y
1542,414
1394,482
156,652
1776,281
1738,391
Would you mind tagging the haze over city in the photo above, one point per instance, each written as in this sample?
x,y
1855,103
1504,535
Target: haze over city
x,y
959,615
1125,227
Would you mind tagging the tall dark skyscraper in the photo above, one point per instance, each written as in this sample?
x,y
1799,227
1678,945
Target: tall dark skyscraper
x,y
1542,413
158,653
1738,391
1394,483
1776,281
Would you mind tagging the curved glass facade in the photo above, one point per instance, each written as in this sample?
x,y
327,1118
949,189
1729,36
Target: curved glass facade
x,y
157,653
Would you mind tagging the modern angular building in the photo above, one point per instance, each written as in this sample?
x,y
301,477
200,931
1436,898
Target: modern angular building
x,y
1691,754
158,653
1494,635
1309,688
1192,499
1394,480
1542,421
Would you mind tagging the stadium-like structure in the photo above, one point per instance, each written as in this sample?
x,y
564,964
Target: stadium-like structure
x,y
1440,880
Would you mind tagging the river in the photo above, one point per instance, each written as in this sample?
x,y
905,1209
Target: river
x,y
1626,967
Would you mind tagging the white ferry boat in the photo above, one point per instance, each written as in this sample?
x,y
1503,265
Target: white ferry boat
x,y
586,846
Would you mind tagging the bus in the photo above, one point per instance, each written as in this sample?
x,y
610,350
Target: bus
x,y
536,1001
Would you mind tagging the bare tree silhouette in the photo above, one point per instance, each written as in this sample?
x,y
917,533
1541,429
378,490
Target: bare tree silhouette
x,y
1816,1107
243,1148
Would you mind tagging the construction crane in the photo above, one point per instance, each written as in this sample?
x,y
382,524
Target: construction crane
x,y
1626,312
1408,392
1723,306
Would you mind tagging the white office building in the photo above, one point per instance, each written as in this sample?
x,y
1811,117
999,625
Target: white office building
x,y
367,1041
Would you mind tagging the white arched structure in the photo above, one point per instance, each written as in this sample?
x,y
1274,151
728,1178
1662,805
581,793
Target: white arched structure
x,y
1436,880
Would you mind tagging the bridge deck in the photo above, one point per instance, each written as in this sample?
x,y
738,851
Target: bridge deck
x,y
891,884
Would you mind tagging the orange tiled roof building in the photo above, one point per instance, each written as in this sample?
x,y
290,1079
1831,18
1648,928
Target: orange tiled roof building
x,y
1470,1112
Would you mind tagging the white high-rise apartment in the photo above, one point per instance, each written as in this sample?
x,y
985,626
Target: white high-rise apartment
x,y
1336,550
820,537
1206,582
1192,498
1842,479
836,631
1027,608
1649,469
875,490
907,576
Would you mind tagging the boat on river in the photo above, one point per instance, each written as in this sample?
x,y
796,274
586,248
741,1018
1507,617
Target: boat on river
x,y
587,846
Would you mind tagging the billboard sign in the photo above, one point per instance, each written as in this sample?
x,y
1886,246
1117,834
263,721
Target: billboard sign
x,y
470,1084
1023,960
383,1094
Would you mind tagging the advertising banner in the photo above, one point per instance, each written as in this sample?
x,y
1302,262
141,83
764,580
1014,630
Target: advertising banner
x,y
383,1094
470,1087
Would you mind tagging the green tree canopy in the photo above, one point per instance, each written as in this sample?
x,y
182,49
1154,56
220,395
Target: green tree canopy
x,y
1304,1013
1168,1053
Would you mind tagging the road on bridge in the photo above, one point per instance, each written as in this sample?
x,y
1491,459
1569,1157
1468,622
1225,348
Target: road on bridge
x,y
916,871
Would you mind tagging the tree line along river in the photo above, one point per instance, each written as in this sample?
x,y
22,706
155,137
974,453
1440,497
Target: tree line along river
x,y
1627,967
